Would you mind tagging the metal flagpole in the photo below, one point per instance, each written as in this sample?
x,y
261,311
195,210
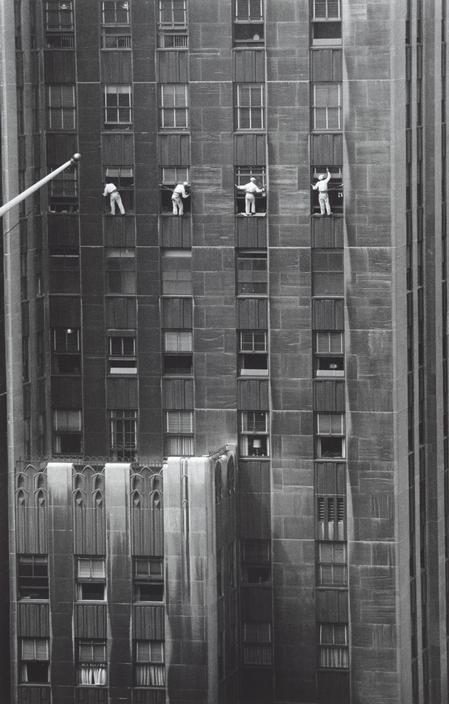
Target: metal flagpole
x,y
28,191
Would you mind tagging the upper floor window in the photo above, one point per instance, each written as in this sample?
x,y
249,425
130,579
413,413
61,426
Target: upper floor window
x,y
173,106
123,434
250,193
327,106
123,178
176,267
120,270
330,200
252,273
334,653
34,660
115,12
254,441
66,357
91,663
122,355
91,579
148,579
330,428
150,667
332,567
173,13
116,31
255,562
179,433
249,102
61,107
63,193
117,106
253,356
326,22
171,177
329,354
59,15
67,431
32,577
248,10
256,643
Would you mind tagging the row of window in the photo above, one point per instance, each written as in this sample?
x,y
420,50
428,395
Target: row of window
x,y
248,19
92,662
249,102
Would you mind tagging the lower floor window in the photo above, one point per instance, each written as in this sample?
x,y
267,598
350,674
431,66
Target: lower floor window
x,y
92,664
256,643
150,667
34,660
67,432
334,652
123,433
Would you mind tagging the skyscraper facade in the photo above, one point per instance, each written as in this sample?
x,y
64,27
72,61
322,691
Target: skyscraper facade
x,y
224,392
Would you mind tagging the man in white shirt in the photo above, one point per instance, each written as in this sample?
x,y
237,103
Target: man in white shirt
x,y
110,190
250,189
179,193
323,196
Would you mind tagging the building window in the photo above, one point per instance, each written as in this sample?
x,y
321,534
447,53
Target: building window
x,y
326,22
171,177
91,665
334,652
327,272
34,660
148,579
249,101
330,430
32,577
253,355
252,276
243,177
256,643
63,193
123,178
332,567
178,352
326,106
116,32
120,270
66,357
67,432
115,12
150,667
61,107
173,13
248,22
176,272
334,188
59,15
91,579
179,433
117,107
254,440
123,433
173,112
331,517
255,566
122,355
329,354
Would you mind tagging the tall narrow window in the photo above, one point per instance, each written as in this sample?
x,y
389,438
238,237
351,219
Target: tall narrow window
x,y
179,433
123,178
255,562
249,106
66,357
34,660
176,272
334,188
254,440
67,432
330,429
173,13
63,192
117,106
61,107
173,106
252,277
329,354
59,15
115,12
171,177
91,579
91,662
334,652
327,106
123,433
148,579
246,176
256,643
326,22
178,352
120,270
122,355
253,357
332,567
149,663
32,577
116,31
248,22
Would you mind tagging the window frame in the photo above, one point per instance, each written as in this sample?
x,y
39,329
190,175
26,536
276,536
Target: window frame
x,y
252,285
176,285
27,583
121,362
330,426
249,115
61,106
329,352
121,122
154,660
333,642
257,643
254,442
38,658
116,21
172,24
332,572
258,356
94,577
173,108
65,428
92,663
149,579
325,109
54,7
123,429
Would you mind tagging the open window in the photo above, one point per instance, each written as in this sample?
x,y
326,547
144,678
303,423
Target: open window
x,y
91,579
254,440
120,270
326,22
330,435
34,660
149,663
334,188
178,357
148,579
172,24
63,192
253,354
329,354
252,276
115,20
66,357
32,576
171,176
248,23
91,662
176,272
256,638
122,360
67,435
334,646
59,24
243,175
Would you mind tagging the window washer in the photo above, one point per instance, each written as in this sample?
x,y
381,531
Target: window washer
x,y
250,188
179,193
323,195
115,199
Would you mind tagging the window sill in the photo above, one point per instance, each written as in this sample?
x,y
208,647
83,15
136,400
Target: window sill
x,y
253,372
244,215
258,457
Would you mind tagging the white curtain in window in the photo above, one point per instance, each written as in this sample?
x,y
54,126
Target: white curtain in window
x,y
92,674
